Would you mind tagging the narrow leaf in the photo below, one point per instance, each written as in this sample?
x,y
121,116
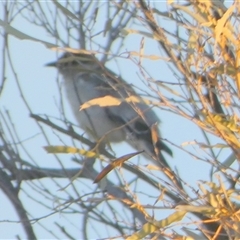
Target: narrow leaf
x,y
22,36
72,150
149,228
114,164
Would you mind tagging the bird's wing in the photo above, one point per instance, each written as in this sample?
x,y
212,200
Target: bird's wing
x,y
135,118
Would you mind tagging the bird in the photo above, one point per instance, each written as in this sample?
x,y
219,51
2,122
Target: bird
x,y
85,78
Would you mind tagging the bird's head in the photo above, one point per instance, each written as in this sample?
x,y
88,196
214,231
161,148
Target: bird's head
x,y
74,62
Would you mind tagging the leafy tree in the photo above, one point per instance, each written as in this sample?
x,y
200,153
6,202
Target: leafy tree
x,y
184,59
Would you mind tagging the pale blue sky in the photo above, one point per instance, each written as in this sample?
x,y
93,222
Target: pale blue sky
x,y
39,86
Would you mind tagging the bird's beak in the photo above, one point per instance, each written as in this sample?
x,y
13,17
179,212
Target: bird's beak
x,y
52,64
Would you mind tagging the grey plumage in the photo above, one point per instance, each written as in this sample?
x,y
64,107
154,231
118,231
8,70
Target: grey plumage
x,y
85,79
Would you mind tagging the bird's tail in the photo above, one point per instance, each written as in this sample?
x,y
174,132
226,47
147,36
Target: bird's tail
x,y
161,146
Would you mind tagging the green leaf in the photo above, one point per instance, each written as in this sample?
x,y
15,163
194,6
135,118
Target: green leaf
x,y
65,11
149,228
72,150
22,36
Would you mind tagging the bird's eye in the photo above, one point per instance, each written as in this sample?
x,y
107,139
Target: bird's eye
x,y
75,63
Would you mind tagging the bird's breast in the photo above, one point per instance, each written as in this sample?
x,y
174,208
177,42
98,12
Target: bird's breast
x,y
94,119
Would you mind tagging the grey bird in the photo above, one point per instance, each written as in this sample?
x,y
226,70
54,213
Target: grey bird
x,y
84,79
